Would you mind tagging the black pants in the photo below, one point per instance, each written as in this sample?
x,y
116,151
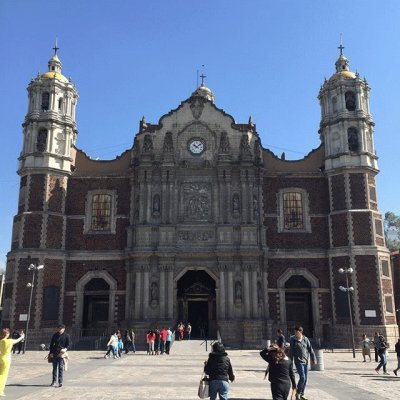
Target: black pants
x,y
280,391
376,354
167,346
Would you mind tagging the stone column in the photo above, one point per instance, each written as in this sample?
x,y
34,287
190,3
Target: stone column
x,y
138,295
254,293
222,303
162,292
170,288
146,292
230,294
265,294
246,293
244,207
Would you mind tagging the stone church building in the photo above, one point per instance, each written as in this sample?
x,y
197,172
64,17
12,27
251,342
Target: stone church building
x,y
199,222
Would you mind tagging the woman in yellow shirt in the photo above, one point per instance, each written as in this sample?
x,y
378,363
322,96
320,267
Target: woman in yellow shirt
x,y
6,345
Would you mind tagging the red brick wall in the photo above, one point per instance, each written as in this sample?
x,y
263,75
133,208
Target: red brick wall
x,y
32,230
362,233
15,240
77,240
54,232
338,192
340,298
56,194
36,193
357,188
368,293
326,306
340,234
23,183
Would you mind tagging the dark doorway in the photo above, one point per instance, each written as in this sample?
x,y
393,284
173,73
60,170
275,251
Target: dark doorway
x,y
299,312
95,307
197,303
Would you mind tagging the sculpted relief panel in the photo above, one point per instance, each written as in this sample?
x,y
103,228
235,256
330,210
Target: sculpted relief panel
x,y
196,201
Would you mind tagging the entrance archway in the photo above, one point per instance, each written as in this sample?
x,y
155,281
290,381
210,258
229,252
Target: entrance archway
x,y
197,303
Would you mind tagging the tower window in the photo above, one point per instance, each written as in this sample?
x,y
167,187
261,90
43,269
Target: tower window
x,y
45,101
352,138
350,99
293,210
334,104
41,140
60,104
101,212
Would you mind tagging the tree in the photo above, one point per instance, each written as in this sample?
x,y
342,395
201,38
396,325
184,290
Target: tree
x,y
392,230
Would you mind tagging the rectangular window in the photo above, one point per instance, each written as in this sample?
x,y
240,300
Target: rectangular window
x,y
385,268
101,212
293,210
51,299
389,304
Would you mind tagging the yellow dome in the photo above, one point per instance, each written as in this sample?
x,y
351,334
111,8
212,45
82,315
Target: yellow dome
x,y
344,75
54,75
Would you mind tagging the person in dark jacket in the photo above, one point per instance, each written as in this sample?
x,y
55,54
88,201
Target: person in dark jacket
x,y
59,345
219,369
280,371
397,349
382,353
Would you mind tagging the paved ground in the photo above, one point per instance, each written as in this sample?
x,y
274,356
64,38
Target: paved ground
x,y
139,376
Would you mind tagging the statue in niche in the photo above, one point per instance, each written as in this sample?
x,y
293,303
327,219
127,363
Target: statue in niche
x,y
255,206
244,145
259,292
147,144
238,291
352,137
156,204
41,140
350,100
235,204
224,143
154,293
168,143
257,150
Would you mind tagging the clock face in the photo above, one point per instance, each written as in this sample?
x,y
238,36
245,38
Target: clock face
x,y
196,146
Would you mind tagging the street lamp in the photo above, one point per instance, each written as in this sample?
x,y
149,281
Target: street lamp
x,y
348,289
33,268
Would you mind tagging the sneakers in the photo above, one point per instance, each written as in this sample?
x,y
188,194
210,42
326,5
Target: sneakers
x,y
60,385
386,373
302,397
377,370
395,371
53,384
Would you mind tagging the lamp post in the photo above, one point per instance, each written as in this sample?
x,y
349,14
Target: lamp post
x,y
33,268
348,289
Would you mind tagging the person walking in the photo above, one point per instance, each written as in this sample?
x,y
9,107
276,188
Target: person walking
x,y
168,341
6,345
300,352
59,345
397,349
280,373
17,346
376,344
365,345
280,338
382,347
163,339
112,346
219,368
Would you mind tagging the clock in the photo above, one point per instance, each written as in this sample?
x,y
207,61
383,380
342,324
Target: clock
x,y
196,146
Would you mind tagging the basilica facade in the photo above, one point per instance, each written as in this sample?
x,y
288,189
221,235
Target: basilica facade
x,y
199,222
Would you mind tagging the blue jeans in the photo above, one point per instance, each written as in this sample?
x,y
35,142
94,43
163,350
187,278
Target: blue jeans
x,y
58,369
383,361
219,387
302,370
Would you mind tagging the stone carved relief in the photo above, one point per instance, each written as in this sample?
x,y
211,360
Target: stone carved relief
x,y
257,150
224,143
60,143
156,205
196,201
154,293
147,144
190,236
168,143
197,106
245,146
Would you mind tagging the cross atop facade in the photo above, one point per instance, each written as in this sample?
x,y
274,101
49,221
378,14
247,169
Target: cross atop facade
x,y
202,76
341,47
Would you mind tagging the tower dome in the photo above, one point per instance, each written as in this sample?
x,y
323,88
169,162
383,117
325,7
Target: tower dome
x,y
204,91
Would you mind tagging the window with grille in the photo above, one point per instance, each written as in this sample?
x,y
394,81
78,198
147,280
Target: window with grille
x,y
101,212
293,211
45,101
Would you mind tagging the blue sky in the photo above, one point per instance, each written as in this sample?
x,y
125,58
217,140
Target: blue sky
x,y
263,58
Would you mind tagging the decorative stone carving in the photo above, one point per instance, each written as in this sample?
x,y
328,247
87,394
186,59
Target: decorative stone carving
x,y
156,205
154,293
60,143
190,236
235,205
41,140
168,143
197,106
245,146
238,292
147,144
137,205
255,206
224,143
196,201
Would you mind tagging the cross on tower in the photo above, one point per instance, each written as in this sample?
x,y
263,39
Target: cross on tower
x,y
202,76
55,48
341,47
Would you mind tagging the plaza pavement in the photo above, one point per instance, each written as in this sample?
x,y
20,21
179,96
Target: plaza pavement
x,y
140,376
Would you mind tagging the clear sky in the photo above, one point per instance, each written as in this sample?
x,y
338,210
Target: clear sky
x,y
136,58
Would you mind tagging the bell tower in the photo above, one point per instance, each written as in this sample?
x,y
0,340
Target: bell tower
x,y
357,241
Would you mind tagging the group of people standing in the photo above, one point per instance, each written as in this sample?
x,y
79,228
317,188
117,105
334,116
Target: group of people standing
x,y
120,342
182,329
159,341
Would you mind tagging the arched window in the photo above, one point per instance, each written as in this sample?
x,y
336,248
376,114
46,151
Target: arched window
x,y
45,101
293,210
101,212
41,140
352,139
350,99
